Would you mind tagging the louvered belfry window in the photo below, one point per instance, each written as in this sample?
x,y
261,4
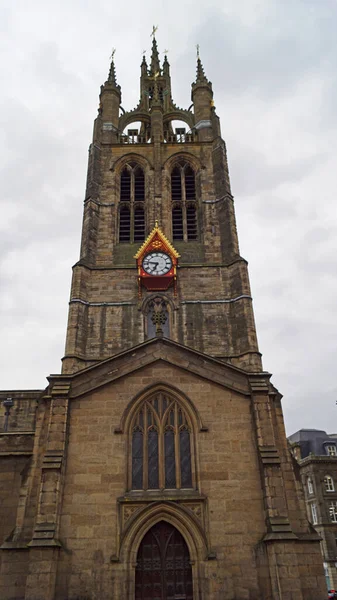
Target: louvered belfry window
x,y
184,203
177,223
124,224
161,445
131,205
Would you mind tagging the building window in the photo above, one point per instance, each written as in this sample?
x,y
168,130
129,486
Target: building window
x,y
314,514
310,486
161,445
331,450
177,223
326,573
329,484
158,318
184,203
333,511
131,205
124,224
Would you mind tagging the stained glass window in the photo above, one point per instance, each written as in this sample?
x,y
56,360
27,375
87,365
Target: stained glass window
x,y
161,445
185,459
153,462
137,460
170,463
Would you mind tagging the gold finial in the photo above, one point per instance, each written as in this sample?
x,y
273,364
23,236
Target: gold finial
x,y
156,75
198,50
156,223
113,53
165,52
154,29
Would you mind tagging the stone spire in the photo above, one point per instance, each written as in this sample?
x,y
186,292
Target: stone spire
x,y
155,65
166,66
112,72
201,77
143,66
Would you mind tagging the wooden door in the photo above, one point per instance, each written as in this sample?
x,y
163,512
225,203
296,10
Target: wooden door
x,y
163,570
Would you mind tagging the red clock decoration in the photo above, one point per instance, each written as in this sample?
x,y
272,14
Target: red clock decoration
x,y
157,262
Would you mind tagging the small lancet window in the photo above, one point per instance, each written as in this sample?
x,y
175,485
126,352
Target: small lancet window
x,y
153,458
125,185
132,224
176,188
158,318
124,224
139,224
177,223
137,459
184,203
189,184
139,185
161,445
185,458
191,222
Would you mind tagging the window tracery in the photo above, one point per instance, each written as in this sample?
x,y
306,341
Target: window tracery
x,y
161,445
131,209
158,318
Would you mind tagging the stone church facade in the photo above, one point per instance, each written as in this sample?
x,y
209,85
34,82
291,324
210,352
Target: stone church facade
x,y
155,466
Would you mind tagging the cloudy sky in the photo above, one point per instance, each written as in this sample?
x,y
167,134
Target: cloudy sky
x,y
273,65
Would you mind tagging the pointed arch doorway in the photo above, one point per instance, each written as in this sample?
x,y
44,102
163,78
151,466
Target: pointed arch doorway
x,y
163,570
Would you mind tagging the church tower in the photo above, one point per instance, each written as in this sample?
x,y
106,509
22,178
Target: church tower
x,y
177,178
156,464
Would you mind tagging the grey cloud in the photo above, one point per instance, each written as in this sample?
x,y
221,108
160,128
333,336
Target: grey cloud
x,y
253,173
56,58
287,43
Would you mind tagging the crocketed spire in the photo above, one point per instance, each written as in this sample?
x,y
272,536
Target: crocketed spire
x,y
155,65
166,66
201,77
112,72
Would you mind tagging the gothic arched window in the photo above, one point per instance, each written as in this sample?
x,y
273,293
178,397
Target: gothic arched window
x,y
161,445
184,204
157,317
131,209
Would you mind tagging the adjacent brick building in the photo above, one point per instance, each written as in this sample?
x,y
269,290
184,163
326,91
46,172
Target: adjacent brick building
x,y
316,453
156,464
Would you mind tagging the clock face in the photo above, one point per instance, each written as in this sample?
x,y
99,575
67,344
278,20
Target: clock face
x,y
157,263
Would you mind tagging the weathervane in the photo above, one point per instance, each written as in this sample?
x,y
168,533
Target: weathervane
x,y
113,53
198,50
154,29
165,52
